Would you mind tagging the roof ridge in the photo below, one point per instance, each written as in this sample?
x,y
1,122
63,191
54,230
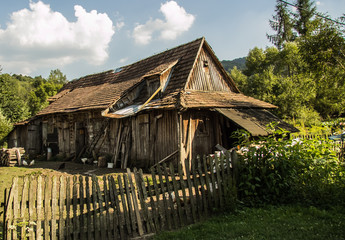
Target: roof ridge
x,y
163,51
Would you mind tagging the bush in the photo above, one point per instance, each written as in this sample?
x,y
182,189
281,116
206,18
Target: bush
x,y
277,170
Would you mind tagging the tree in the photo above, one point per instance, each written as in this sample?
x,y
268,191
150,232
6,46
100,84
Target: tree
x,y
12,104
282,24
323,51
57,77
43,89
5,128
303,17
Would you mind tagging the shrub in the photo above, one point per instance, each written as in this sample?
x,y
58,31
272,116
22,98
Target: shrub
x,y
277,170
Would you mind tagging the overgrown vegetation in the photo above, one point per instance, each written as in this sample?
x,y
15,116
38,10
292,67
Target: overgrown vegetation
x,y
304,73
22,97
277,170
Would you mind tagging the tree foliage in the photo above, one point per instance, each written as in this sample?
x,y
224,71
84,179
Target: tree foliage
x,y
303,75
23,96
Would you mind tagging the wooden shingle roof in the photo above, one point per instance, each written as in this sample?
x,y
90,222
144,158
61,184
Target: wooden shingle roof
x,y
100,91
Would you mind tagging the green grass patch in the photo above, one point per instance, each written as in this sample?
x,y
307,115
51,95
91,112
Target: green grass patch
x,y
284,222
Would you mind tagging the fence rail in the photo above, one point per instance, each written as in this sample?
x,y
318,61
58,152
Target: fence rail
x,y
125,206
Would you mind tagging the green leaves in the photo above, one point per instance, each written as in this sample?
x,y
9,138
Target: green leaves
x,y
278,170
23,96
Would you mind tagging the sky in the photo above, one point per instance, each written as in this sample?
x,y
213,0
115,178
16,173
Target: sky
x,y
82,37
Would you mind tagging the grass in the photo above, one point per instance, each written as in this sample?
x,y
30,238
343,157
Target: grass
x,y
283,222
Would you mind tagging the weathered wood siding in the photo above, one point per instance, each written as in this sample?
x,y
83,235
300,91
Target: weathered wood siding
x,y
201,132
206,76
154,136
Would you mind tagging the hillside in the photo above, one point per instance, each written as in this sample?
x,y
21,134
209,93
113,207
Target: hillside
x,y
240,63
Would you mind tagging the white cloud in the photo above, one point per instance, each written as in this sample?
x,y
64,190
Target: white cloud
x,y
40,37
177,21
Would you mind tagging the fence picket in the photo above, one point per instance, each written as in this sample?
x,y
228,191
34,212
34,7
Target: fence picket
x,y
10,221
24,207
39,209
135,203
107,215
202,187
219,182
130,205
154,207
208,194
68,208
62,195
75,208
103,227
196,189
176,194
96,223
160,209
81,204
15,210
142,199
124,205
119,221
101,210
53,209
184,195
190,191
169,189
88,209
165,202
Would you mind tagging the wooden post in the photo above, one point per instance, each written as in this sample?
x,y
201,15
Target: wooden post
x,y
180,141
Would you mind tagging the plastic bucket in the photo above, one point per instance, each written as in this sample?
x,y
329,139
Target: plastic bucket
x,y
49,153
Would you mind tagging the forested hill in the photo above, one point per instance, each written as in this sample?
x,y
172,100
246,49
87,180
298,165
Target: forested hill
x,y
21,97
240,63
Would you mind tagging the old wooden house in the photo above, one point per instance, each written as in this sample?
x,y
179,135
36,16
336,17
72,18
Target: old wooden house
x,y
174,105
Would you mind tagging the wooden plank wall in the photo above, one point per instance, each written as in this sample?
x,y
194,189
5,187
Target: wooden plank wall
x,y
154,137
118,207
206,76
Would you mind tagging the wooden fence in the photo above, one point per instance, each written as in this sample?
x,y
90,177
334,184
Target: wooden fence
x,y
129,205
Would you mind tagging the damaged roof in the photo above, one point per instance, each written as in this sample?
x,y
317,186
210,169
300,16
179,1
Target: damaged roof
x,y
102,90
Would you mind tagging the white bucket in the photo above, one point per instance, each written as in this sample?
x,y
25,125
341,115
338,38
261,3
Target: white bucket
x,y
110,165
49,153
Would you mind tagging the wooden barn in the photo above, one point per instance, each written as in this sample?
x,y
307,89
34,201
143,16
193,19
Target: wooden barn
x,y
174,105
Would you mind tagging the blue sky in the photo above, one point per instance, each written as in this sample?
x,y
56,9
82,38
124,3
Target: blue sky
x,y
82,37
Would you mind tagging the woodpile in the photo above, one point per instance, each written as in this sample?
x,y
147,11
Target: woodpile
x,y
11,157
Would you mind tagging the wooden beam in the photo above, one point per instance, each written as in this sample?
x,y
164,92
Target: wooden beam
x,y
166,158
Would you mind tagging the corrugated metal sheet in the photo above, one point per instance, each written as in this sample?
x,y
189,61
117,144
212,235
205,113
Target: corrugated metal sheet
x,y
254,121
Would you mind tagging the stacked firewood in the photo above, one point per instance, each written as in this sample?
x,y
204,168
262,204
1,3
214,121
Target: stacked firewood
x,y
11,157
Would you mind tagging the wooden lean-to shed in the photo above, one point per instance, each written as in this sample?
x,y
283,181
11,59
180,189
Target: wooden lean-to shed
x,y
173,106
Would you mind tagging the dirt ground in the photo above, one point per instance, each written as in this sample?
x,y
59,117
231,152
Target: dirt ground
x,y
75,168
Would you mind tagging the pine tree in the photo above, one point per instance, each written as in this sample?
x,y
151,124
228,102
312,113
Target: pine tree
x,y
282,24
305,12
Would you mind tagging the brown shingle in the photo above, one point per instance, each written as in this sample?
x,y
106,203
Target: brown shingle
x,y
100,90
200,99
